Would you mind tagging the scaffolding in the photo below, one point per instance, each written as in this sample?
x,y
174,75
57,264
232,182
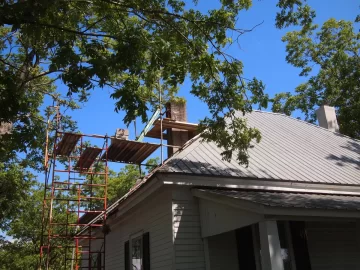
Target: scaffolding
x,y
75,189
75,185
75,192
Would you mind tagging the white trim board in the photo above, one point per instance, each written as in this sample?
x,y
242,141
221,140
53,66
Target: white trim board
x,y
274,211
257,184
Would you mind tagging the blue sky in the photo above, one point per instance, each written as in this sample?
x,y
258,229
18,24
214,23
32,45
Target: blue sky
x,y
262,52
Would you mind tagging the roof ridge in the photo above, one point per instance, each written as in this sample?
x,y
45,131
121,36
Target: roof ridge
x,y
306,122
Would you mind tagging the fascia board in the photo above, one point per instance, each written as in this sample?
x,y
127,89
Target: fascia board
x,y
258,184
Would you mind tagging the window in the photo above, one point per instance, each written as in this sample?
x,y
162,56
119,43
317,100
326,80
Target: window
x,y
286,245
300,245
245,246
137,252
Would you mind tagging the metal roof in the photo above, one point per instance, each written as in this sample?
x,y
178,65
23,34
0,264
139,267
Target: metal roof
x,y
293,200
290,149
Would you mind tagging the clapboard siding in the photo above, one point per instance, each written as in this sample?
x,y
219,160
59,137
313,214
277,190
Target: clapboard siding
x,y
191,248
333,245
152,215
188,244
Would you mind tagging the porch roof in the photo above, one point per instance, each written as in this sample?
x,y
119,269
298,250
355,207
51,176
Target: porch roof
x,y
287,200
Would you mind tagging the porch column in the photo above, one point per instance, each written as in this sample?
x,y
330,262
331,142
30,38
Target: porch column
x,y
270,246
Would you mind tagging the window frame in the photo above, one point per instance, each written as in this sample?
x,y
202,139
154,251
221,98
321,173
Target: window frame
x,y
290,243
256,245
132,237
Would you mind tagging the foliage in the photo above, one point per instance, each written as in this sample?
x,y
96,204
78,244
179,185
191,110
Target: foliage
x,y
328,57
118,183
22,93
25,229
18,255
24,144
25,224
130,47
14,187
294,12
123,181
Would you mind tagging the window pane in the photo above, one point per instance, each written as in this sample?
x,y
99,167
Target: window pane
x,y
300,245
136,256
245,246
284,244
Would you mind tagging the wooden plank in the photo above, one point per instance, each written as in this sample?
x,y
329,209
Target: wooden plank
x,y
130,151
168,123
155,133
67,144
87,158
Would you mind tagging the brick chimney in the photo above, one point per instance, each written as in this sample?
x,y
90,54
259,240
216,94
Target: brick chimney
x,y
176,111
327,118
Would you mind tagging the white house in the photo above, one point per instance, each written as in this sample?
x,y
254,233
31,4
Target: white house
x,y
296,206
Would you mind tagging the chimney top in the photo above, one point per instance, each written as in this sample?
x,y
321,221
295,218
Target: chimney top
x,y
327,118
122,134
176,111
177,137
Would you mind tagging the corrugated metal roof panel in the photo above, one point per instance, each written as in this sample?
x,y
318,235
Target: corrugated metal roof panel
x,y
290,149
294,200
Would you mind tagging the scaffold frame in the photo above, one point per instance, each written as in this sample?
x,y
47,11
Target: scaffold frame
x,y
73,186
73,169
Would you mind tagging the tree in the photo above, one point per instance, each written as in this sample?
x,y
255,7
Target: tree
x,y
329,58
25,229
123,181
25,223
14,190
118,183
130,47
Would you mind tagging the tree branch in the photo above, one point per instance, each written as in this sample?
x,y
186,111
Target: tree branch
x,y
43,74
80,33
8,64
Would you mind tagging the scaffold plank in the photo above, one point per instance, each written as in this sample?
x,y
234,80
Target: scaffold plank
x,y
67,144
87,158
168,123
129,151
155,132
